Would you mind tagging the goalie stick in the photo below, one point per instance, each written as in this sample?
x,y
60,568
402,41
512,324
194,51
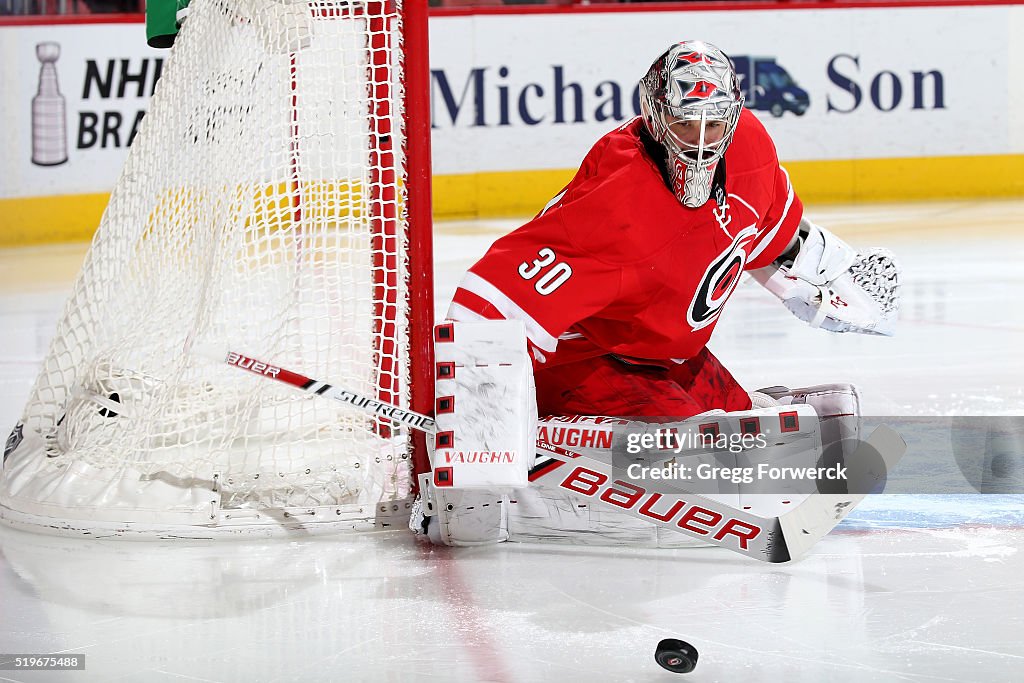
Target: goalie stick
x,y
773,539
318,387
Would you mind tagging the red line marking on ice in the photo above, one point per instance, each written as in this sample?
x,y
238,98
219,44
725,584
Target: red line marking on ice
x,y
472,629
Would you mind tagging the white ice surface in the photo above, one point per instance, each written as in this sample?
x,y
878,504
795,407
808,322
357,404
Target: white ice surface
x,y
909,588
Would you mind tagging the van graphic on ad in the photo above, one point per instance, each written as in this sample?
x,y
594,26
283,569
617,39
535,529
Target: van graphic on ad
x,y
768,87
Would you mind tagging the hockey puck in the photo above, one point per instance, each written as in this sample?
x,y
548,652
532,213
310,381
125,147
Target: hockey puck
x,y
677,656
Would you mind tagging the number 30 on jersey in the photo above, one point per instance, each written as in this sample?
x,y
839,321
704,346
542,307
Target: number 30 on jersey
x,y
553,273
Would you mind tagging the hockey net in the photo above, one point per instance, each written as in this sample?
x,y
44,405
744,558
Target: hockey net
x,y
265,205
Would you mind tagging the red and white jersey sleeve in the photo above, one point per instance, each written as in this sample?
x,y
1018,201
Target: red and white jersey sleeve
x,y
779,220
779,225
540,275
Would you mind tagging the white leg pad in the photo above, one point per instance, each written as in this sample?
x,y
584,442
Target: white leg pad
x,y
468,518
486,414
838,408
486,406
837,405
548,513
541,514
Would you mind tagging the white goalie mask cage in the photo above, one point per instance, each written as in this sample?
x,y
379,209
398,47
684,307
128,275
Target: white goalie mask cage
x,y
691,81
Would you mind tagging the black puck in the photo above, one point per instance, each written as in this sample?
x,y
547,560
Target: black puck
x,y
678,656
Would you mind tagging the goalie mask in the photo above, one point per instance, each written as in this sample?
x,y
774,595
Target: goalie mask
x,y
691,104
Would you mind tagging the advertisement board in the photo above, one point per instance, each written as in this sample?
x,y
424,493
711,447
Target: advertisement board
x,y
863,103
829,84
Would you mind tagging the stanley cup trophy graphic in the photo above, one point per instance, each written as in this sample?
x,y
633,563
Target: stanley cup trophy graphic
x,y
49,131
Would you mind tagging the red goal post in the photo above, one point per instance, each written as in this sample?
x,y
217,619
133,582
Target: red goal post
x,y
277,200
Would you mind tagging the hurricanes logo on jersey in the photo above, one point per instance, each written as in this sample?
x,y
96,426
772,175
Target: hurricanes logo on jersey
x,y
719,281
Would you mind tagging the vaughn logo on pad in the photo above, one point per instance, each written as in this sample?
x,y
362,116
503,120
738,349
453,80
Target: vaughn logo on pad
x,y
478,469
582,437
483,457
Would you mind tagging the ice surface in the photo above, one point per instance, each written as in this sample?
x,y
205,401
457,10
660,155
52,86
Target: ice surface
x,y
908,588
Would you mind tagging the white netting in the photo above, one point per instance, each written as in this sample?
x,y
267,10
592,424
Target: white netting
x,y
261,208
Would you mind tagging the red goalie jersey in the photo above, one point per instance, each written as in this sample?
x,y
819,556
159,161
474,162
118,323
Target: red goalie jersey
x,y
615,264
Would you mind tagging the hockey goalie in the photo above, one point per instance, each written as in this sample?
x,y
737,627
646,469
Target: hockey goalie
x,y
602,306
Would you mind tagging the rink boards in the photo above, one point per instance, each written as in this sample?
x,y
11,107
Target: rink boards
x,y
869,103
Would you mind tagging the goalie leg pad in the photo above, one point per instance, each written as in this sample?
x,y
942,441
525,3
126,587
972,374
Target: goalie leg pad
x,y
552,509
468,518
486,415
486,406
836,404
613,500
838,408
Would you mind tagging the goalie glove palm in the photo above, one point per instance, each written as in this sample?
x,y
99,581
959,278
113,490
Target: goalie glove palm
x,y
831,285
